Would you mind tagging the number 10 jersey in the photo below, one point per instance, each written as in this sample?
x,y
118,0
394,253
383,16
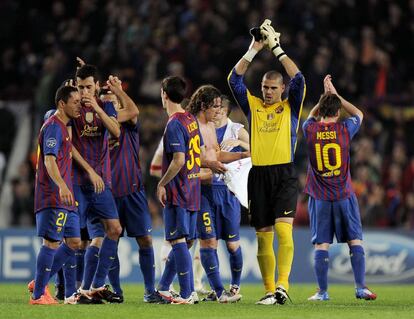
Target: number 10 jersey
x,y
328,146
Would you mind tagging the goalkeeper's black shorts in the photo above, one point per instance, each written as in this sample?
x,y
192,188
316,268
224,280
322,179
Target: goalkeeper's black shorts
x,y
272,193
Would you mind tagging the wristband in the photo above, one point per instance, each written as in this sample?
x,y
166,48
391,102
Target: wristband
x,y
278,52
249,55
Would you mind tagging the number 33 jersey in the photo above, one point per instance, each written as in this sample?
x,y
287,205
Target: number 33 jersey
x,y
328,146
182,135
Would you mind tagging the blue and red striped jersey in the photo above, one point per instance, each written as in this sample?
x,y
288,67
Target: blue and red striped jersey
x,y
328,144
90,137
182,135
125,165
53,140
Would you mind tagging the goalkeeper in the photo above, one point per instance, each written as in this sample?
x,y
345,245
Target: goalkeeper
x,y
272,182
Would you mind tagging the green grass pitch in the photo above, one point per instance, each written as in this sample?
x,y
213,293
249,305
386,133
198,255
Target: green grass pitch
x,y
395,302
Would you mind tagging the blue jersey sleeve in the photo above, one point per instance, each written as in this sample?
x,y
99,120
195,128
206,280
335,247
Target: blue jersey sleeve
x,y
353,124
109,109
297,91
52,139
239,90
174,140
306,124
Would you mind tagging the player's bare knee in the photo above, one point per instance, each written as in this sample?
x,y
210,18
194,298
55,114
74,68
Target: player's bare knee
x,y
355,242
73,243
144,241
97,242
177,241
51,243
208,243
322,246
232,246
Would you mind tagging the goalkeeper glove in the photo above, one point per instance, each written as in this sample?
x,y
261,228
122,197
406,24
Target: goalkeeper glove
x,y
272,39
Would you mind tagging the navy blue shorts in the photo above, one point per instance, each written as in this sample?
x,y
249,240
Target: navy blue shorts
x,y
179,223
92,207
134,214
341,218
57,223
219,215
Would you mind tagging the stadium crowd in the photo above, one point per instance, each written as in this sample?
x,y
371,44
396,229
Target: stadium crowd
x,y
365,45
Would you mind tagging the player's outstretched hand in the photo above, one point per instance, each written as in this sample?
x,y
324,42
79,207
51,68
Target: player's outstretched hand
x,y
161,194
97,182
272,38
66,196
114,84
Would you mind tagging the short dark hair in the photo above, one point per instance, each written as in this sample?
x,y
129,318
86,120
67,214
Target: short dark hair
x,y
329,104
175,88
273,75
203,98
63,93
86,71
224,97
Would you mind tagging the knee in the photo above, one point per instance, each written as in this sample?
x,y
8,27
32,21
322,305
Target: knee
x,y
73,243
114,230
208,243
232,246
144,242
97,242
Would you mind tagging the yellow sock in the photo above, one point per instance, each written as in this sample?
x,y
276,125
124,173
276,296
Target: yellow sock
x,y
284,253
266,259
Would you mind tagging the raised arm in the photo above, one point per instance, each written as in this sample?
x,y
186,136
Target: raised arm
x,y
129,111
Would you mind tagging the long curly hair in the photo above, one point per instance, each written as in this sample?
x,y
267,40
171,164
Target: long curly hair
x,y
202,99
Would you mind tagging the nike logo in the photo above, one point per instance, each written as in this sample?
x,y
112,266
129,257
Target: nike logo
x,y
211,268
287,213
97,256
149,230
48,269
68,138
237,270
232,236
173,232
112,258
72,266
183,273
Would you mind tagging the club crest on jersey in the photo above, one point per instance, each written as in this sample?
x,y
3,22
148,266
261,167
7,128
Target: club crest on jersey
x,y
279,109
89,117
270,116
51,142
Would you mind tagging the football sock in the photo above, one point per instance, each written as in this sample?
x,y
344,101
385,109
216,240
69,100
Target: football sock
x,y
284,253
357,255
266,259
321,269
59,279
184,268
169,273
107,255
91,262
63,253
80,263
43,267
113,276
147,264
236,266
69,270
210,263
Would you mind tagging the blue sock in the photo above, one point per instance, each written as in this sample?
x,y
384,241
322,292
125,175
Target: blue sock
x,y
321,269
91,262
107,255
63,253
236,266
69,270
358,264
147,264
184,268
59,279
209,260
43,267
80,263
113,276
169,273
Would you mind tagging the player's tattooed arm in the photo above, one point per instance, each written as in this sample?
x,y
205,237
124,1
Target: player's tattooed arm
x,y
52,168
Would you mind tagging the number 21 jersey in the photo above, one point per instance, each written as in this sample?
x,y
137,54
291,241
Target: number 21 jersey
x,y
328,146
182,135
